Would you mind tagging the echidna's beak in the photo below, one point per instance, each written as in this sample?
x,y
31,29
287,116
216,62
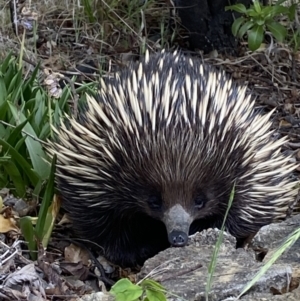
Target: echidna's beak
x,y
177,222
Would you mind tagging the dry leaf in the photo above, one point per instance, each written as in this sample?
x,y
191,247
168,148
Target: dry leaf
x,y
78,270
284,124
8,224
75,254
26,279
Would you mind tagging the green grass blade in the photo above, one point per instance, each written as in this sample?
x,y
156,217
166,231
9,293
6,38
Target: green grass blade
x,y
213,261
3,110
14,135
287,244
15,86
34,179
15,176
35,149
7,61
47,199
30,82
41,110
28,233
3,91
50,220
9,75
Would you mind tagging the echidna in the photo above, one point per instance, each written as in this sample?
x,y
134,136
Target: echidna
x,y
155,156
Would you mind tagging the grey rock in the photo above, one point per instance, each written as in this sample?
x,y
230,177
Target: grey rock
x,y
99,296
184,271
273,236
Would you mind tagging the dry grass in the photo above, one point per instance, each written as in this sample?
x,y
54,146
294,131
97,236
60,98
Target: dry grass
x,y
4,16
70,31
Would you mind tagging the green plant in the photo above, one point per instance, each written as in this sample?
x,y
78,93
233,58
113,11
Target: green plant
x,y
147,289
47,214
258,19
295,40
89,10
213,262
21,117
27,114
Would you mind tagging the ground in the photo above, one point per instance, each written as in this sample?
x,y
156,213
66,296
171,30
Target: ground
x,y
102,36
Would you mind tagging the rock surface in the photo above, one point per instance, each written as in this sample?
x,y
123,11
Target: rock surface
x,y
184,271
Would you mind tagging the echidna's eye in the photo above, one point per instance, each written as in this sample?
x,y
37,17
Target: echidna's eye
x,y
155,202
200,201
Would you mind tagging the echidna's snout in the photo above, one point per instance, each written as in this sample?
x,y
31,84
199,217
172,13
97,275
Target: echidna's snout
x,y
177,222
